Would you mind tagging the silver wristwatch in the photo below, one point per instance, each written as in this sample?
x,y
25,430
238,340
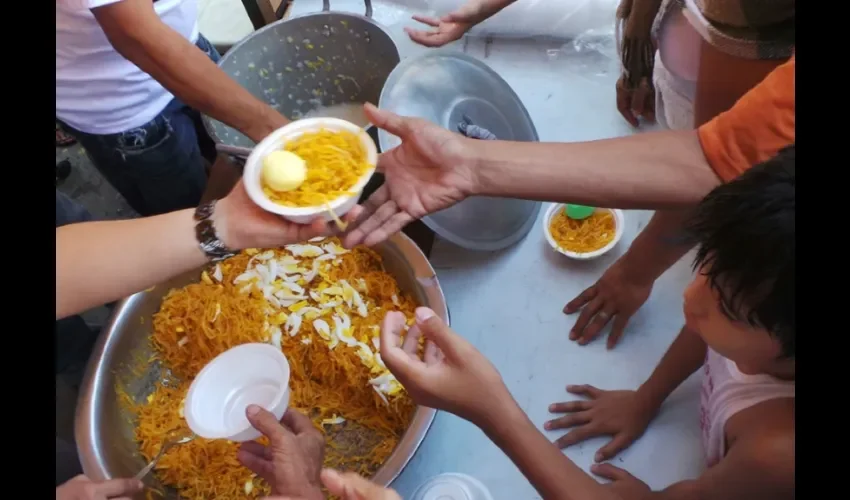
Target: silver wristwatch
x,y
208,240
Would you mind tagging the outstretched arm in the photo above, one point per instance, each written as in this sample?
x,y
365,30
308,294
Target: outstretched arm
x,y
453,376
647,171
434,168
551,473
98,262
453,25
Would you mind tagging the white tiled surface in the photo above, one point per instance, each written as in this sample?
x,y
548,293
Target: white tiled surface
x,y
509,303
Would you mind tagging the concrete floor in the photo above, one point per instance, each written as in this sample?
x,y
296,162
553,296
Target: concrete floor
x,y
88,187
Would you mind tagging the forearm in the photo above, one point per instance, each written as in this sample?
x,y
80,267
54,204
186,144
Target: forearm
x,y
635,40
552,474
657,247
490,8
191,76
98,262
638,16
685,356
658,170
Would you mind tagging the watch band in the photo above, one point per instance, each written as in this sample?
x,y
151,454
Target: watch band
x,y
208,240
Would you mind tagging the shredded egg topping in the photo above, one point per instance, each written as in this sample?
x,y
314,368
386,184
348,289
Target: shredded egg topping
x,y
322,305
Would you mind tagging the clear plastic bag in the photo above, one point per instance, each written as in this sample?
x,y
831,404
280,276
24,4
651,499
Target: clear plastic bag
x,y
579,34
592,55
564,19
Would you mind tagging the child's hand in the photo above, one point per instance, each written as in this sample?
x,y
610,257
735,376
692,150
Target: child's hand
x,y
624,415
614,298
452,376
623,484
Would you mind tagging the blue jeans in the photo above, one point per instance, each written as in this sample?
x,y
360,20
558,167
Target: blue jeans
x,y
157,167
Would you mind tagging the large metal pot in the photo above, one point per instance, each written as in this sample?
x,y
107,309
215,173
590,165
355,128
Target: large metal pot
x,y
104,431
300,63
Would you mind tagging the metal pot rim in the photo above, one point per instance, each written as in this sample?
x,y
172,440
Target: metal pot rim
x,y
206,120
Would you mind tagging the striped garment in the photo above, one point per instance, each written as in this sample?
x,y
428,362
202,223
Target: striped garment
x,y
749,29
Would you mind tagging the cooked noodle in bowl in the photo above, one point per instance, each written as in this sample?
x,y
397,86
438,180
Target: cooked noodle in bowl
x,y
322,305
583,239
340,159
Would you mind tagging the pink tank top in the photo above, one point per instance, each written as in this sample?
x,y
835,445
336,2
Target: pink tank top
x,y
725,392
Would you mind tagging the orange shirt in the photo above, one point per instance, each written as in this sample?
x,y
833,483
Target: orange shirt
x,y
755,128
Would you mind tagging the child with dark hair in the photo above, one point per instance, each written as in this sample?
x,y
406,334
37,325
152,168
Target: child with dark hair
x,y
740,330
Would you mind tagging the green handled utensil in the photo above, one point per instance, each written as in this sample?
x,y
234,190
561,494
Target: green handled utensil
x,y
578,212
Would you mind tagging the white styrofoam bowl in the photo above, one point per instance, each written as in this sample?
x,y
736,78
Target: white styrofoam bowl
x,y
276,140
619,225
247,374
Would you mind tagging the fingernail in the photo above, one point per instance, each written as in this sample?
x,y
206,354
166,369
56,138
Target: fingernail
x,y
598,457
573,335
547,425
423,314
252,410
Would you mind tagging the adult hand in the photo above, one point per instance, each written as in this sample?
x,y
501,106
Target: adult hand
x,y
452,375
624,415
444,30
453,25
293,460
624,485
242,224
83,488
431,170
616,296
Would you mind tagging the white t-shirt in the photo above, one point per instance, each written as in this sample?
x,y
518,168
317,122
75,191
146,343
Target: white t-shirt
x,y
98,91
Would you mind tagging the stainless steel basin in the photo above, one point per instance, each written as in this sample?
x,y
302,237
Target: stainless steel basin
x,y
104,431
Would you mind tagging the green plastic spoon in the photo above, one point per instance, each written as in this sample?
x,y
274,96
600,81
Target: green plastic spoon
x,y
578,212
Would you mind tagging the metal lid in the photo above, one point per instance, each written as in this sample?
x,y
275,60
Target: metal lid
x,y
452,486
443,88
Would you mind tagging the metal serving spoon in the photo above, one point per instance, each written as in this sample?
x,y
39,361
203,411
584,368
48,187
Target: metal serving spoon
x,y
237,151
167,445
